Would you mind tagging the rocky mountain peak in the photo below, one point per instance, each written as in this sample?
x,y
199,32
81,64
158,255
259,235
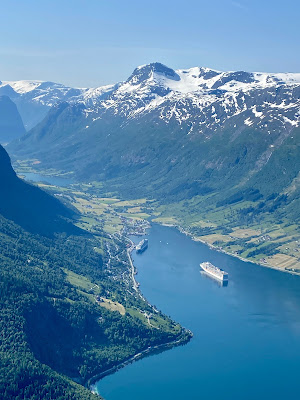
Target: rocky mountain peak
x,y
145,72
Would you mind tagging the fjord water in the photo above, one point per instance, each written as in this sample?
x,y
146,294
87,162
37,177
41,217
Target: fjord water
x,y
50,180
246,342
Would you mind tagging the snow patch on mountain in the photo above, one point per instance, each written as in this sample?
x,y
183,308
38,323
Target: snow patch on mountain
x,y
22,87
202,97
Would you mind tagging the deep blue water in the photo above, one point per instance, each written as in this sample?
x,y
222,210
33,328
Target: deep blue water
x,y
50,180
246,341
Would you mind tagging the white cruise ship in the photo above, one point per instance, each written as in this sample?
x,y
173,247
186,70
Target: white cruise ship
x,y
214,271
142,246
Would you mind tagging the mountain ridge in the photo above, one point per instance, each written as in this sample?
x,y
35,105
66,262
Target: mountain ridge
x,y
222,147
198,101
181,83
209,133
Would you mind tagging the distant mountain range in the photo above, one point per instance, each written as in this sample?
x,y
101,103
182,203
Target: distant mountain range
x,y
35,98
202,142
174,135
215,94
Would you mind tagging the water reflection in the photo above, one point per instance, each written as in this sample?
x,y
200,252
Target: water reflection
x,y
214,280
49,180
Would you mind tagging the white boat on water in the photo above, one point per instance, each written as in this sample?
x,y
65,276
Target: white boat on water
x,y
214,271
142,246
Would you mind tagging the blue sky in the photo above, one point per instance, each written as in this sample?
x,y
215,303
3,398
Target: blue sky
x,y
93,42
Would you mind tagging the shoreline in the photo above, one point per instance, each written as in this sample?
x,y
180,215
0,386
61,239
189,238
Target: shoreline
x,y
180,228
220,250
91,383
136,285
185,336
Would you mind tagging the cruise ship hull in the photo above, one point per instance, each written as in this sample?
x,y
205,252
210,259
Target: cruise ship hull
x,y
142,246
214,272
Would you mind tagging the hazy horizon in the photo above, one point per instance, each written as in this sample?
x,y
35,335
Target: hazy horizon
x,y
101,43
125,78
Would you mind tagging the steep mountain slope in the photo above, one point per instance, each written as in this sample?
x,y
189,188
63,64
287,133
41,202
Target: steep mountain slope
x,y
54,329
29,276
219,151
153,86
35,98
19,202
11,125
172,133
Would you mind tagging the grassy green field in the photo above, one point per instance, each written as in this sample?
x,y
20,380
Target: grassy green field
x,y
262,240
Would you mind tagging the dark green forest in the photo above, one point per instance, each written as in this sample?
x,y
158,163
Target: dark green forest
x,y
53,331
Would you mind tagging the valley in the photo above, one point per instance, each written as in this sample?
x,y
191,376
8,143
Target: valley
x,y
70,306
214,154
261,240
169,275
149,200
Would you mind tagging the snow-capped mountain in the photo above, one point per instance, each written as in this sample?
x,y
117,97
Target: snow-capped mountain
x,y
203,97
35,98
177,133
197,140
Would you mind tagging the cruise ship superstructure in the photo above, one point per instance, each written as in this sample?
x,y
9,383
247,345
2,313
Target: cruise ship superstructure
x,y
214,271
142,246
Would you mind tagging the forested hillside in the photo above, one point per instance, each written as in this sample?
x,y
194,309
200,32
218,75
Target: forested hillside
x,y
216,151
175,135
28,206
54,329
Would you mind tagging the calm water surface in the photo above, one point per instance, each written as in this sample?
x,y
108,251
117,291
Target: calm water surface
x,y
50,180
246,341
